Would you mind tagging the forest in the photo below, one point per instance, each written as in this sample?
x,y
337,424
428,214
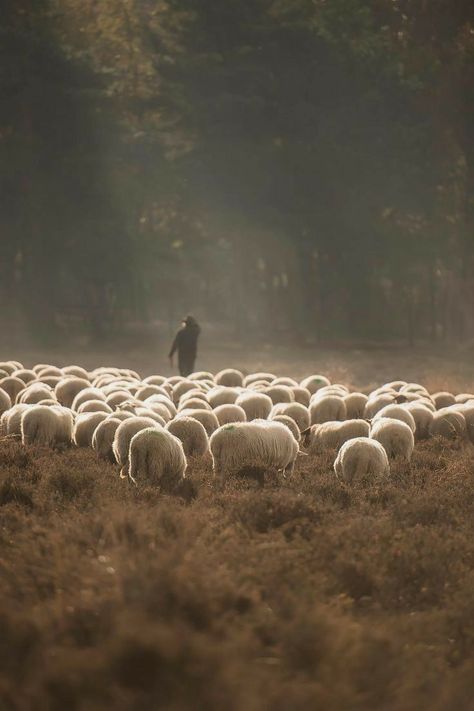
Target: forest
x,y
298,168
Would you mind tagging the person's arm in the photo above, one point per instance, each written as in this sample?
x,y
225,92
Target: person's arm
x,y
174,348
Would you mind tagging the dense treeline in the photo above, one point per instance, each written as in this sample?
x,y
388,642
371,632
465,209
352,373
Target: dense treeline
x,y
295,166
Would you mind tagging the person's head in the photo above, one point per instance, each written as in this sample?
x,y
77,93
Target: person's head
x,y
189,321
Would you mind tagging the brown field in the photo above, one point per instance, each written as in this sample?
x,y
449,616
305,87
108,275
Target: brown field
x,y
314,595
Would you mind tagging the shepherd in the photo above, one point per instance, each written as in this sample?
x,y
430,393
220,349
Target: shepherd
x,y
185,342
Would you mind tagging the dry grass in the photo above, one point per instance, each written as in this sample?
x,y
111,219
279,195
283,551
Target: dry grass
x,y
314,595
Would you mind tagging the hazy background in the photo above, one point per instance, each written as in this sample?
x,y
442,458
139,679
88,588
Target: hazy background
x,y
293,171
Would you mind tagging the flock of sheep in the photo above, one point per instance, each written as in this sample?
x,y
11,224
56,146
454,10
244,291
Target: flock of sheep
x,y
255,423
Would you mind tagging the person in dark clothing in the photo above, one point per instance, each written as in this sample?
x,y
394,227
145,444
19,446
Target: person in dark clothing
x,y
185,342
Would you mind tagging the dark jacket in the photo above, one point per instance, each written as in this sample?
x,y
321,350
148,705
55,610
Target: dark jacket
x,y
185,342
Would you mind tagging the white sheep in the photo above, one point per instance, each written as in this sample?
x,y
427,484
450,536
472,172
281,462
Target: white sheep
x,y
395,436
229,377
182,387
85,396
257,445
191,434
397,412
221,395
423,417
94,406
5,401
76,370
443,399
207,418
103,438
332,435
374,404
160,399
301,395
313,383
45,425
124,433
355,405
154,380
360,458
34,393
230,413
449,424
290,423
256,405
84,427
279,394
326,409
254,377
121,415
461,398
299,413
27,376
12,386
68,387
194,403
156,457
11,420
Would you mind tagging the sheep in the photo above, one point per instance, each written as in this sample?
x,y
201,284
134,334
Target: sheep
x,y
279,394
11,420
206,417
33,393
253,377
156,457
360,458
180,388
229,377
299,413
5,401
395,436
332,435
221,395
423,417
84,427
124,433
461,398
289,382
373,405
230,413
51,380
290,423
328,408
256,405
94,406
257,445
336,389
116,398
397,384
355,405
467,411
154,380
201,375
449,424
314,382
121,415
8,367
397,412
12,386
27,376
103,438
158,409
301,395
191,434
145,412
85,395
48,370
148,390
161,400
46,426
76,371
192,394
194,403
443,399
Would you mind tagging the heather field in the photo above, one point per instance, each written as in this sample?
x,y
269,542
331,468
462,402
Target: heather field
x,y
311,595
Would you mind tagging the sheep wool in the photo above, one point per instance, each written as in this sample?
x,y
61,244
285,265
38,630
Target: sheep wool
x,y
157,457
361,458
332,435
124,433
258,445
395,436
191,434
